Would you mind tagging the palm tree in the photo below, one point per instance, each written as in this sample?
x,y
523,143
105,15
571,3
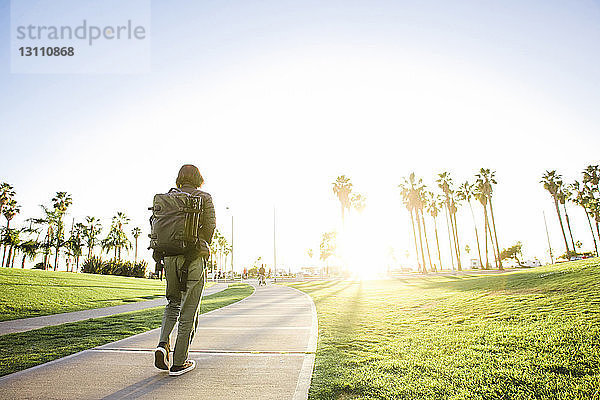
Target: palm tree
x,y
12,241
425,197
434,207
581,197
136,232
11,208
552,182
342,188
488,178
410,189
29,249
93,228
75,243
563,195
327,247
61,203
117,239
479,194
444,182
591,180
7,193
358,202
466,192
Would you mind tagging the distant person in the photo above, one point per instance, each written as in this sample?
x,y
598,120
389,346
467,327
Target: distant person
x,y
261,276
185,273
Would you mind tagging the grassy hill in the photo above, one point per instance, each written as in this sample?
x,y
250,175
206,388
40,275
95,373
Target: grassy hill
x,y
529,334
30,293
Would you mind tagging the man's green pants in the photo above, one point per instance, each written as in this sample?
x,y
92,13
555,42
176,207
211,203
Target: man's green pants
x,y
182,305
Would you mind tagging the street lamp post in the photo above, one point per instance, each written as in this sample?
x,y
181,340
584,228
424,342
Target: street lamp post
x,y
227,208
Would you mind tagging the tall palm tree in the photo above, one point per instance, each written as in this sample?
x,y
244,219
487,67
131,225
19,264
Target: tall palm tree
x,y
444,182
425,197
581,197
410,189
591,180
552,181
488,178
466,192
117,238
434,206
7,193
563,195
342,188
93,229
76,243
61,202
136,232
11,208
479,194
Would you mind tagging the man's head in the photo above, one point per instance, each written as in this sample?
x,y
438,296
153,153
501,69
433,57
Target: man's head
x,y
189,175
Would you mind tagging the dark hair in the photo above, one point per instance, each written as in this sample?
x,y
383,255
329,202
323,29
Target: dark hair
x,y
190,175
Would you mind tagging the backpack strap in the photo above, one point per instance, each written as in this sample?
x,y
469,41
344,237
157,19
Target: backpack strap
x,y
190,255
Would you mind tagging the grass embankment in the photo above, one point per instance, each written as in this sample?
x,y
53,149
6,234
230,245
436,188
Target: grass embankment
x,y
19,351
31,293
530,334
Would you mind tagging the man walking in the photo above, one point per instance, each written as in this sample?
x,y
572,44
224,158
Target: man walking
x,y
185,276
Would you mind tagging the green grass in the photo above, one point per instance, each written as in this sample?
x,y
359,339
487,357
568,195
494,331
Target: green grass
x,y
19,351
31,293
530,334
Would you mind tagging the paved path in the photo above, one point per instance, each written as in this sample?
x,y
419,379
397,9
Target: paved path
x,y
27,324
262,347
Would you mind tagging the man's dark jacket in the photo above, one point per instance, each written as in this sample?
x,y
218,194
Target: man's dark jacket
x,y
208,219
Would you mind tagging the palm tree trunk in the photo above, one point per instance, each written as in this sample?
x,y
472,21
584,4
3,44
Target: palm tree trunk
x,y
437,242
135,257
427,243
412,221
456,242
591,229
562,227
23,262
12,263
485,229
496,256
5,238
424,270
597,231
495,236
569,227
449,238
9,258
476,234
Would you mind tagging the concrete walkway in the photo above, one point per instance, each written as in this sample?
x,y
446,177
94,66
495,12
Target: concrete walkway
x,y
27,324
262,347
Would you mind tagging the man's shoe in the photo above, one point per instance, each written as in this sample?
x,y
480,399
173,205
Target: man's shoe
x,y
161,356
182,369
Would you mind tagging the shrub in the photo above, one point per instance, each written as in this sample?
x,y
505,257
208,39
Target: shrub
x,y
95,265
39,265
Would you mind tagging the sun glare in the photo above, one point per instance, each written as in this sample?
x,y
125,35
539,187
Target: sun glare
x,y
360,248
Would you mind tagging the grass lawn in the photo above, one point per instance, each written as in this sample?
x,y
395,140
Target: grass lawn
x,y
31,293
530,334
19,351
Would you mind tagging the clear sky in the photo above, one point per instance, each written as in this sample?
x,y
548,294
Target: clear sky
x,y
273,99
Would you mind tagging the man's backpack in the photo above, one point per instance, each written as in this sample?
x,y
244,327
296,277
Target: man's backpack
x,y
175,223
